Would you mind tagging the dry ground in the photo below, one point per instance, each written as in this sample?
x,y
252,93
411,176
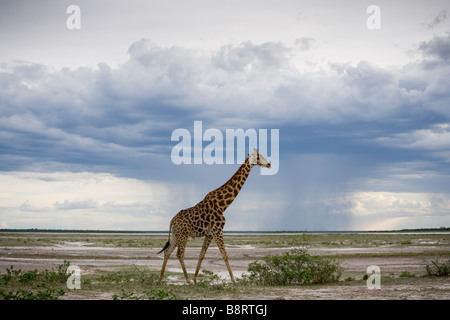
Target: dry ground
x,y
394,259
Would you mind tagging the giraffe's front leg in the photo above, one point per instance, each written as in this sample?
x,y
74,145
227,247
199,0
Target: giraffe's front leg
x,y
221,244
180,255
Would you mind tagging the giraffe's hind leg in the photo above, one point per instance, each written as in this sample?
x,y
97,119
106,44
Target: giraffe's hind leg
x,y
167,254
205,246
180,254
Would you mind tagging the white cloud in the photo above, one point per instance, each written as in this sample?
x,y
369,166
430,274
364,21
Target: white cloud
x,y
435,138
86,200
389,210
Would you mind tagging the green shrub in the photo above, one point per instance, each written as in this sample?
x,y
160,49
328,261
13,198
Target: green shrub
x,y
407,274
294,267
33,285
210,279
43,293
438,268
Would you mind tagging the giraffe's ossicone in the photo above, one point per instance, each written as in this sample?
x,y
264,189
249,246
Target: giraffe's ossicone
x,y
206,218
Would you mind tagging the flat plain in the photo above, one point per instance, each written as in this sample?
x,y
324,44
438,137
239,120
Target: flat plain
x,y
126,265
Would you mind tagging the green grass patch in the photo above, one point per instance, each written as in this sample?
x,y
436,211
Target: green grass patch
x,y
16,284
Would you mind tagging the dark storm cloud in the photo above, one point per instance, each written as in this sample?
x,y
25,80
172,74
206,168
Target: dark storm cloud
x,y
438,47
88,115
438,19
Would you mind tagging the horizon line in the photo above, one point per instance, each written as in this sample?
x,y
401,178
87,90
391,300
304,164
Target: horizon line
x,y
55,230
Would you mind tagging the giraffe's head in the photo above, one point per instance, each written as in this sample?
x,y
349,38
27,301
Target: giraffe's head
x,y
257,159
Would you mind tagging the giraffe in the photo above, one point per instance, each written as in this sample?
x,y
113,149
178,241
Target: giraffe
x,y
206,219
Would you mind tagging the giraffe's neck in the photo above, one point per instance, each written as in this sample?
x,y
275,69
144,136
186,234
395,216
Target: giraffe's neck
x,y
223,196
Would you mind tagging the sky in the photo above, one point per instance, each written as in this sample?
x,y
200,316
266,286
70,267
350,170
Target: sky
x,y
89,101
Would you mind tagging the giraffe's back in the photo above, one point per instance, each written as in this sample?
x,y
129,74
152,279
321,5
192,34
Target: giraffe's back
x,y
198,221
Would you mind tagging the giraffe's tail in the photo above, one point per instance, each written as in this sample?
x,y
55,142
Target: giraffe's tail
x,y
165,247
168,242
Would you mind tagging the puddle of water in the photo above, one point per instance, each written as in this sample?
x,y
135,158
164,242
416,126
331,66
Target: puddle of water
x,y
74,244
224,275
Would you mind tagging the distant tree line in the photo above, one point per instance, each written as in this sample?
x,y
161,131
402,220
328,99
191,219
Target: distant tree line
x,y
441,229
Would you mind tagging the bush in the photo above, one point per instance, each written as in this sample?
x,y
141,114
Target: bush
x,y
211,280
438,268
294,267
